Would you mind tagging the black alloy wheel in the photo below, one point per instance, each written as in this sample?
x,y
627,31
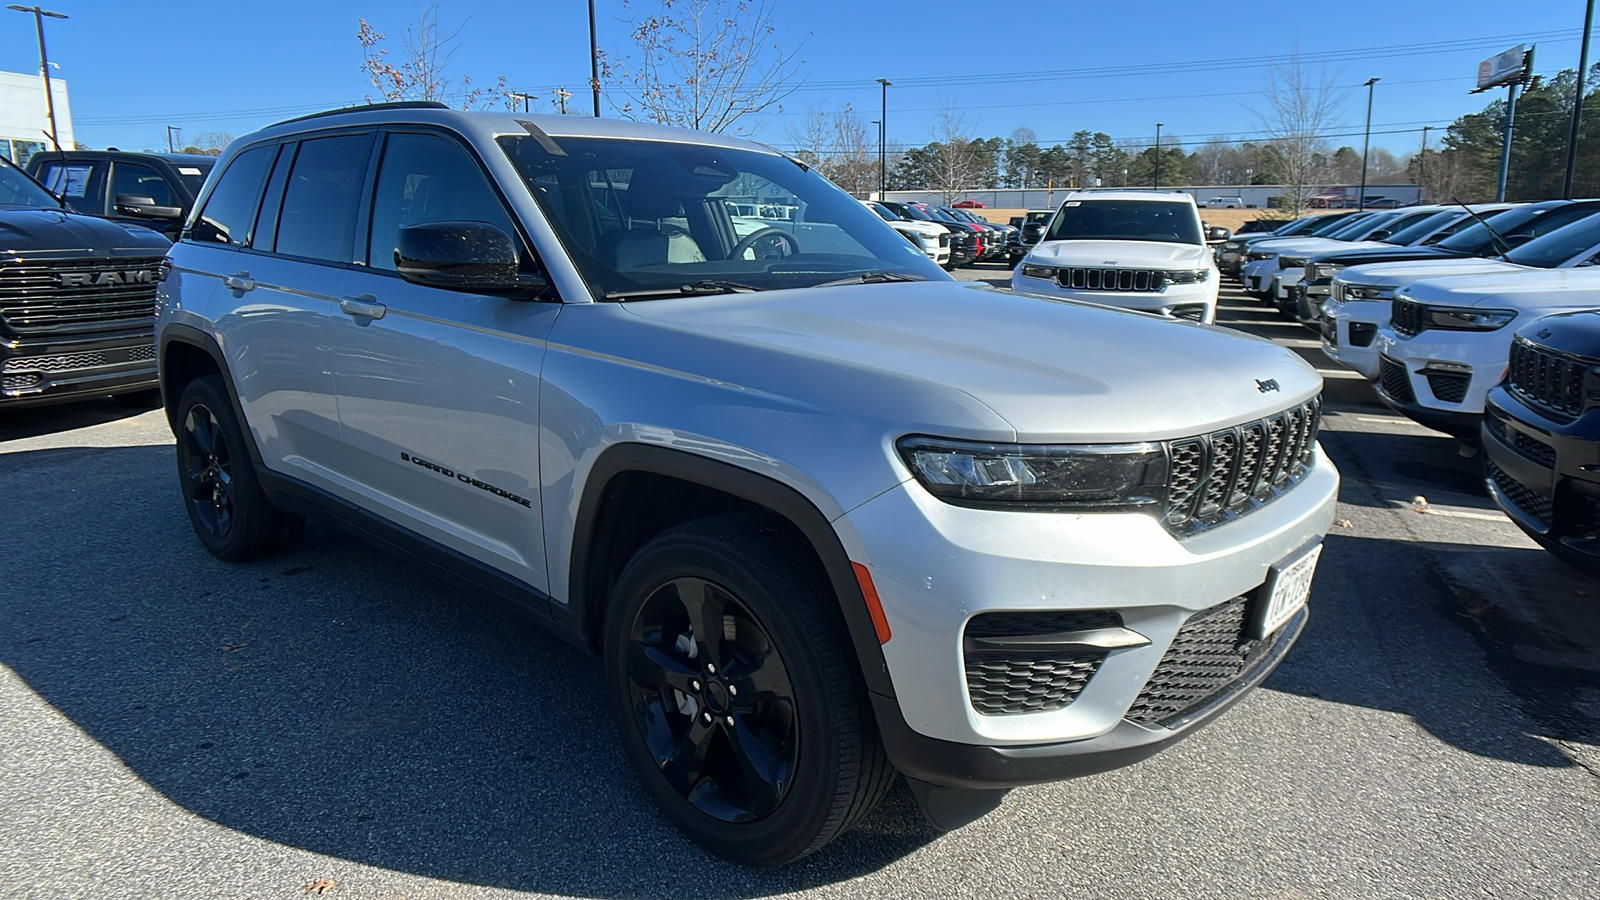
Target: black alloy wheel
x,y
736,696
207,465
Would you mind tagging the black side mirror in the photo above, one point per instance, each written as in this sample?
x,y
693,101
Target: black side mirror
x,y
464,256
1379,235
145,207
1517,240
1217,233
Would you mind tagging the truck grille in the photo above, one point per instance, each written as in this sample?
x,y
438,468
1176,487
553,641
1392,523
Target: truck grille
x,y
1132,280
1395,381
1209,654
34,299
1228,473
944,239
1550,382
1011,682
1531,502
1408,317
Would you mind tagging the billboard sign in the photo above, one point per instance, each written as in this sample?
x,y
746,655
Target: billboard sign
x,y
1503,69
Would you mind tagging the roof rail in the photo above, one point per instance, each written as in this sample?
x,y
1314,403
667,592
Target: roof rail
x,y
397,104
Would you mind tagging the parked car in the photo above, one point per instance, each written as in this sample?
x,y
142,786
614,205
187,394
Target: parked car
x,y
1359,303
77,301
826,515
1541,436
963,241
1373,202
1140,250
1234,252
967,204
1224,203
930,238
1260,226
1006,238
1277,273
155,190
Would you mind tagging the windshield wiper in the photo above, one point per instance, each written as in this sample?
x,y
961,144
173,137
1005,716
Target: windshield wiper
x,y
872,278
696,288
1494,235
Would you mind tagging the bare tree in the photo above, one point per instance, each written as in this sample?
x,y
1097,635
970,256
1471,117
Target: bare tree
x,y
837,144
423,72
704,64
209,143
955,164
1302,107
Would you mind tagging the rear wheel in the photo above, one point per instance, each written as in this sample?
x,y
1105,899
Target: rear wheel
x,y
224,500
735,697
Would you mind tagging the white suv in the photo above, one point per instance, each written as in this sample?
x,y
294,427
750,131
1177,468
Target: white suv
x,y
931,238
826,514
1143,250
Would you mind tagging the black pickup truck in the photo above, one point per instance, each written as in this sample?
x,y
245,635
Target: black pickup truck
x,y
155,190
77,301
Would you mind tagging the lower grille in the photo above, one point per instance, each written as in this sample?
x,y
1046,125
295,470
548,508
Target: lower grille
x,y
1534,504
1448,387
1362,334
1527,445
1209,654
1395,381
19,382
1195,312
1011,682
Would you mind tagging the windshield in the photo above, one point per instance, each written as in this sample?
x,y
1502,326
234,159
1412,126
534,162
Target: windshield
x,y
1559,246
1524,220
1334,222
883,212
1126,220
17,189
1359,225
194,176
1416,231
644,216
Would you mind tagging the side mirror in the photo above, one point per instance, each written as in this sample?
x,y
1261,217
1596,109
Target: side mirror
x,y
1217,233
1032,232
1517,240
1379,235
145,207
463,256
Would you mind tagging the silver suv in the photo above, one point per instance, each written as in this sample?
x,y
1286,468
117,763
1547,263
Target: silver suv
x,y
827,515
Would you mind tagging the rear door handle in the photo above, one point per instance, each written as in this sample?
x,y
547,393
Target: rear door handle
x,y
365,305
239,282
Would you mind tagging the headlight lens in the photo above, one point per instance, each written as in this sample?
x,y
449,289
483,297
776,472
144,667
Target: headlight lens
x,y
1232,245
1292,262
1033,271
1449,318
1368,292
1259,255
1188,276
1070,476
1323,271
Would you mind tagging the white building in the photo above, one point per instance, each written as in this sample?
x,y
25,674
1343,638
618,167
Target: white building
x,y
24,121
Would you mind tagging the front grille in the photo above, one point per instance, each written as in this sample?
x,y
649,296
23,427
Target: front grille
x,y
19,381
1534,504
1011,682
1526,444
1447,387
1408,317
1362,334
1194,312
33,299
1395,381
1130,280
1229,473
944,239
1208,655
1548,381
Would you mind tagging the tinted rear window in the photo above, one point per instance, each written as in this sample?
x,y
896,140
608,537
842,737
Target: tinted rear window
x,y
318,216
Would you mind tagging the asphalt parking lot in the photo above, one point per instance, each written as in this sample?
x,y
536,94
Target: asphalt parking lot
x,y
337,720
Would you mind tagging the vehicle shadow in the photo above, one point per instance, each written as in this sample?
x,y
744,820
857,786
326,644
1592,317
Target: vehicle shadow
x,y
33,421
1401,467
343,701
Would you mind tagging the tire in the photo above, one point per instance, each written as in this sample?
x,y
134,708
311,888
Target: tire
x,y
148,399
768,777
221,494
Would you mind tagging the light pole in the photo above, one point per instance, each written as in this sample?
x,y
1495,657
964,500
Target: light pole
x,y
883,133
1156,185
594,62
1366,139
1577,103
519,95
44,64
561,95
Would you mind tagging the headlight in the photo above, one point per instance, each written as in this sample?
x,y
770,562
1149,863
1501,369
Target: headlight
x,y
1081,476
1292,262
1322,271
1259,255
1449,318
1188,276
1033,271
1232,245
1368,292
928,241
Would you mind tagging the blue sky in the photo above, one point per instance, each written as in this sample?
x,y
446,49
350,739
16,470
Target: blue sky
x,y
134,68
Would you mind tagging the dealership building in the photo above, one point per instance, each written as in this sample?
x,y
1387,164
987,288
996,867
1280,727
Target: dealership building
x,y
24,120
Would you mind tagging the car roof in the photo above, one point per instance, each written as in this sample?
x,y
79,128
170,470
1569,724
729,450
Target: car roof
x,y
186,159
1145,196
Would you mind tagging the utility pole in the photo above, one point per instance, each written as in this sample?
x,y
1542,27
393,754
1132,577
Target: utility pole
x,y
561,95
1366,141
519,95
1577,103
1422,161
594,62
44,64
1157,180
883,133
170,130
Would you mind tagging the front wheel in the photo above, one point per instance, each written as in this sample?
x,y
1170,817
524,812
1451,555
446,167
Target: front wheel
x,y
735,695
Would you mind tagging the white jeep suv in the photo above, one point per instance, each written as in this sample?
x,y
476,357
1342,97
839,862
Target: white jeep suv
x,y
827,515
1143,250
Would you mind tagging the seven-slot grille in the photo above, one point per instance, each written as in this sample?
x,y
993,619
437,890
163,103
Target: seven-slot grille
x,y
1408,317
1137,280
1233,471
1550,382
35,300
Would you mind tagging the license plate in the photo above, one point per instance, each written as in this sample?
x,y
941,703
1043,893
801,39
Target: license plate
x,y
1287,589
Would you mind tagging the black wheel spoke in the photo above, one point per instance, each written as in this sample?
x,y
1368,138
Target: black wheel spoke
x,y
685,766
700,601
649,663
763,774
201,429
761,680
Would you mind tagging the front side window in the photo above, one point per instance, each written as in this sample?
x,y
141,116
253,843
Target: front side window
x,y
427,178
1126,220
647,216
142,181
318,216
81,183
231,208
1560,246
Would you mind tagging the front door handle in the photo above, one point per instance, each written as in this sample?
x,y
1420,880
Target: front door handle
x,y
240,282
366,306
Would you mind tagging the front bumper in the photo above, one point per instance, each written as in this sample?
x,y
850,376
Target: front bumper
x,y
1406,387
1545,474
38,372
1446,371
1256,275
1350,332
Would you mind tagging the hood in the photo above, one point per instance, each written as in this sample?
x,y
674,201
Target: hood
x,y
1523,289
1400,274
965,360
920,227
1577,333
1122,254
51,231
1357,255
1298,246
